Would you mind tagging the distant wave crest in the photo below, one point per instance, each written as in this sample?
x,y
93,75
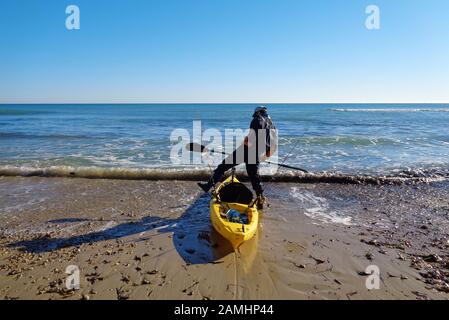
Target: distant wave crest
x,y
20,135
390,109
15,112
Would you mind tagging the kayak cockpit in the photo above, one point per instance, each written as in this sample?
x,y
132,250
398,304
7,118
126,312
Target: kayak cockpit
x,y
235,192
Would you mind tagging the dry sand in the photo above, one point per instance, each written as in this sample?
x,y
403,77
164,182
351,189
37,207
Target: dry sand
x,y
153,240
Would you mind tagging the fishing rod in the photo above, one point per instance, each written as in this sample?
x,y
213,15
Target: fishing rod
x,y
196,147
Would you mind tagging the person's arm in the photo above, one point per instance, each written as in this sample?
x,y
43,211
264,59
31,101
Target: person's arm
x,y
273,144
251,137
271,147
271,150
254,126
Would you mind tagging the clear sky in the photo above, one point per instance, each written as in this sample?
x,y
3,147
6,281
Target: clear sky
x,y
224,51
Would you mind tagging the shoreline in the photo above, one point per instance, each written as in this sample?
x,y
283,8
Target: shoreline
x,y
164,174
153,240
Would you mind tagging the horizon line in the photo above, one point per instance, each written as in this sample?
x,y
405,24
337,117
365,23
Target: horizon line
x,y
205,103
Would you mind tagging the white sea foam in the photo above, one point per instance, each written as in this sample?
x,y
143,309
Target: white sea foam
x,y
197,173
318,208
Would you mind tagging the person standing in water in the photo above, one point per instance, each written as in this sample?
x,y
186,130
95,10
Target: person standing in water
x,y
257,147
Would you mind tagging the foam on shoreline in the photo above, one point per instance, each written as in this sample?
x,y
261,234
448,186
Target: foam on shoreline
x,y
203,174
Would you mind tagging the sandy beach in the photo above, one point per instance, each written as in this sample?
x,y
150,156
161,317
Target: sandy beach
x,y
117,116
153,240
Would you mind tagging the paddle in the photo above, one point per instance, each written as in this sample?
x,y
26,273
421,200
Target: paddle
x,y
196,147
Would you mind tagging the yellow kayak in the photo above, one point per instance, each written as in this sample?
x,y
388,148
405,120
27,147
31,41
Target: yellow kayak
x,y
231,195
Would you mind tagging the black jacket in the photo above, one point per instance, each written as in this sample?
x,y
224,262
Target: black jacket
x,y
262,121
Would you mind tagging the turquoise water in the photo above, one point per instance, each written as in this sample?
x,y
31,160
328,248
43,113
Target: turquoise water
x,y
349,139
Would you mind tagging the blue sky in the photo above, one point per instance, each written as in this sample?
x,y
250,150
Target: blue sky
x,y
224,51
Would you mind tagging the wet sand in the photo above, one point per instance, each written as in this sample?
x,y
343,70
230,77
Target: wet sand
x,y
153,240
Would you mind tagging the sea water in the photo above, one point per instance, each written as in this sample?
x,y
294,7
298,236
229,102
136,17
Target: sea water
x,y
380,139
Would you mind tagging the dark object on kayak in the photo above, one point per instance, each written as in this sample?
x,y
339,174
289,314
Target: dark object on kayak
x,y
237,217
236,192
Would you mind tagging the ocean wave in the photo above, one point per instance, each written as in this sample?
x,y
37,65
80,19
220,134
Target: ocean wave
x,y
10,112
20,135
338,140
390,109
195,174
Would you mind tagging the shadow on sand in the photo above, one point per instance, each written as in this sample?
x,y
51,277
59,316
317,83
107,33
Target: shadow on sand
x,y
193,236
